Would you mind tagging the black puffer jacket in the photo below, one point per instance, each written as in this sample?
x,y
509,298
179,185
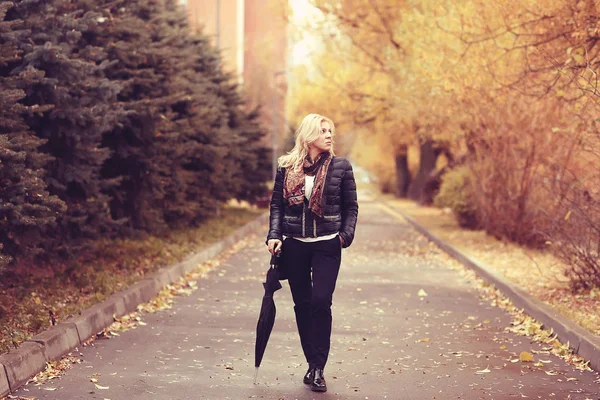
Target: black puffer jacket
x,y
340,210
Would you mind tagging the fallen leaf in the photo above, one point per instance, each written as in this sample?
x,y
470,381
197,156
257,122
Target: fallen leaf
x,y
526,356
422,293
483,371
101,387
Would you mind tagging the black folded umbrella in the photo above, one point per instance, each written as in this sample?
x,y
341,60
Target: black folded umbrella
x,y
267,312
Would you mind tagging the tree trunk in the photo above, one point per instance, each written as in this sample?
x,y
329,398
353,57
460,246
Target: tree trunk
x,y
403,177
429,155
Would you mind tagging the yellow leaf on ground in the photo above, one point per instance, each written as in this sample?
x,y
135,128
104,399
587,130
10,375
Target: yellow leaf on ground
x,y
526,356
422,293
425,340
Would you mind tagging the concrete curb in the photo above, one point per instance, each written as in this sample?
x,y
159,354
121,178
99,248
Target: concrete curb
x,y
4,386
582,341
18,366
56,339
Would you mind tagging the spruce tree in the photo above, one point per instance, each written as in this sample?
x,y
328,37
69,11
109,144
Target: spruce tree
x,y
144,144
185,145
83,108
27,210
238,164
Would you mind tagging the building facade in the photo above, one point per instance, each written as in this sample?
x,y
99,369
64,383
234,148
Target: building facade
x,y
223,21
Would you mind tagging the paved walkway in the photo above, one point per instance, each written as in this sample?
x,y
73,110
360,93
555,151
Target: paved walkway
x,y
388,341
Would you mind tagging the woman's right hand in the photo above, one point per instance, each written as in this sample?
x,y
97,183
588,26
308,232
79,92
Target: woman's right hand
x,y
274,245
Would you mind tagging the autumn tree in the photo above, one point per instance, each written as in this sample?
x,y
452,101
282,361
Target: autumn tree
x,y
396,85
505,89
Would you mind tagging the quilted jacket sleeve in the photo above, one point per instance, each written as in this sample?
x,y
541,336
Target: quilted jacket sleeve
x,y
276,214
349,205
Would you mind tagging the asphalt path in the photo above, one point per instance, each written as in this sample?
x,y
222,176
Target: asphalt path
x,y
408,324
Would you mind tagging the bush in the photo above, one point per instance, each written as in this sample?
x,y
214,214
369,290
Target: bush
x,y
574,185
456,193
509,156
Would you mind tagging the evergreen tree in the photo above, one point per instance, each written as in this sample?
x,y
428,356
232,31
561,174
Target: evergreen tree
x,y
129,114
84,107
185,136
253,159
238,165
144,145
26,208
201,119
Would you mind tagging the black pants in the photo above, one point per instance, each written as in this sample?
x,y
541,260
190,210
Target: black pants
x,y
313,296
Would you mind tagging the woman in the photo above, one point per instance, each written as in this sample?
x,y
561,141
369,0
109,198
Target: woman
x,y
313,216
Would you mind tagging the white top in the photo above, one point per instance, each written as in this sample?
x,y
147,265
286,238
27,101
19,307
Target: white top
x,y
309,183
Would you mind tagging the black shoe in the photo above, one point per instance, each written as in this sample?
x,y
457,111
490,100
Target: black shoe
x,y
308,377
318,383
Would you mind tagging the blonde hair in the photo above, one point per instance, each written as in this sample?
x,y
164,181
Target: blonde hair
x,y
307,133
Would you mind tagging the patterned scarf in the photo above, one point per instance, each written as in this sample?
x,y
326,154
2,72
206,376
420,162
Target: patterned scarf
x,y
293,185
